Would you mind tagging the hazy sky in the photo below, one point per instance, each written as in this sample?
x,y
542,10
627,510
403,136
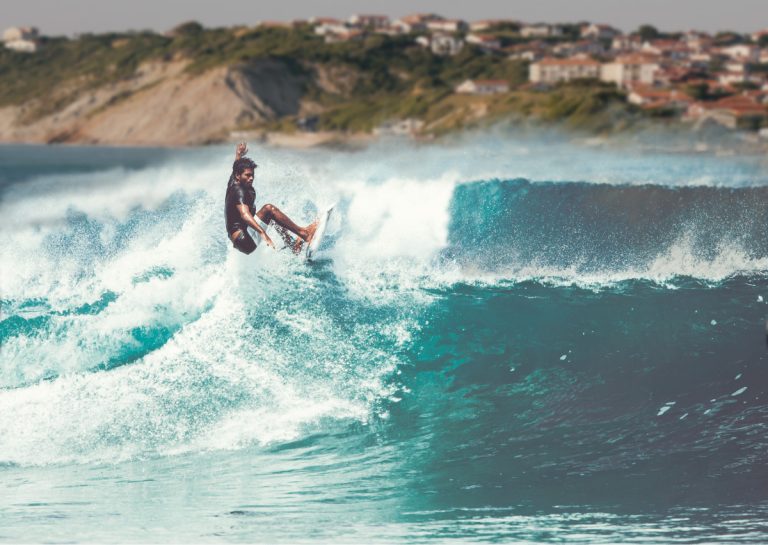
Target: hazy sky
x,y
56,17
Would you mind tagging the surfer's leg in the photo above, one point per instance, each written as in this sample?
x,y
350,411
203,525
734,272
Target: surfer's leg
x,y
271,212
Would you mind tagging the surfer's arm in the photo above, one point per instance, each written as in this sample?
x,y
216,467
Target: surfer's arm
x,y
245,213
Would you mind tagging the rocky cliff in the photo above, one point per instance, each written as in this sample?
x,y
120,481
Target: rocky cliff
x,y
162,104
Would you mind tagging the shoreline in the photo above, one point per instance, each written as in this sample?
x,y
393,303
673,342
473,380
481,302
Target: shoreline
x,y
645,140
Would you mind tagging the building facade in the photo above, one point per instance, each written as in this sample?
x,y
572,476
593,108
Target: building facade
x,y
629,69
552,70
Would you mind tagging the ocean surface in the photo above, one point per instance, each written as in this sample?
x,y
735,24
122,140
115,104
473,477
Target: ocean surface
x,y
503,339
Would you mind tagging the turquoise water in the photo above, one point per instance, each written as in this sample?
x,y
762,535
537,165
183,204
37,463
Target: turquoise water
x,y
503,339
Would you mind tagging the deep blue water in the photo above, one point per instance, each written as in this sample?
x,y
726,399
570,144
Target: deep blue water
x,y
503,340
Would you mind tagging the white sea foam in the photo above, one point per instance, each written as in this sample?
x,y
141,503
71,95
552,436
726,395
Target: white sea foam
x,y
227,380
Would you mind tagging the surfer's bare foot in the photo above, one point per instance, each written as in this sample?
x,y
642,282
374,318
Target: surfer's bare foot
x,y
308,233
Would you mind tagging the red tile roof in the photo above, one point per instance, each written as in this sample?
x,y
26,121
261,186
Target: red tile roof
x,y
551,61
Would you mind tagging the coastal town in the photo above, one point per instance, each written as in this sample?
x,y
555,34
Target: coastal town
x,y
688,76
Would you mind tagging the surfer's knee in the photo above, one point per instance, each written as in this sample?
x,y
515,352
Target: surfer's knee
x,y
267,212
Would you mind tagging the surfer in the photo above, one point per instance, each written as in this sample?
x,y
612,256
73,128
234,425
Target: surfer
x,y
240,212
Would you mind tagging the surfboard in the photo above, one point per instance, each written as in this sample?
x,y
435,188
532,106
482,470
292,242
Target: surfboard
x,y
319,233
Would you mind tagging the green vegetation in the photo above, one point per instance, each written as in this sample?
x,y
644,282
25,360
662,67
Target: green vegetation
x,y
389,77
62,67
728,38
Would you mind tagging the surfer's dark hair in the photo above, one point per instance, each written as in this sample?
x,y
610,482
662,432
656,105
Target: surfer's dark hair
x,y
241,164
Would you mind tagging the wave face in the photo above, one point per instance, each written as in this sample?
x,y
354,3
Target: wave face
x,y
584,231
486,348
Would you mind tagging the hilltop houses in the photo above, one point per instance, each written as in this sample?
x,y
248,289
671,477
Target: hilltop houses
x,y
709,77
22,39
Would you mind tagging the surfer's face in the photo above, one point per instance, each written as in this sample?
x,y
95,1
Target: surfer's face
x,y
246,177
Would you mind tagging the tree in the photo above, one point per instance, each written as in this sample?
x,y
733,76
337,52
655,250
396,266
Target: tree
x,y
648,32
187,29
728,38
697,91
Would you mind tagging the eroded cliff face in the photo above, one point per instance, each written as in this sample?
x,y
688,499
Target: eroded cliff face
x,y
164,105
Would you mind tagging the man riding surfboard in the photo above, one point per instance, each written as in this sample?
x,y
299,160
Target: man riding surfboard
x,y
240,212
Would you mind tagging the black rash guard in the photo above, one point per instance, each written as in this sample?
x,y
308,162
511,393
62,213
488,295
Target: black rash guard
x,y
238,194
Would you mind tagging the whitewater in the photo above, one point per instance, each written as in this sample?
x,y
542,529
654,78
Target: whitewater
x,y
504,338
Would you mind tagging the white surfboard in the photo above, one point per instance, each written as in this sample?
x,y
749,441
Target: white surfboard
x,y
319,233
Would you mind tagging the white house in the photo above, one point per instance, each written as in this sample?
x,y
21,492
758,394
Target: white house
x,y
552,70
482,87
599,32
22,39
447,25
479,26
736,66
416,22
541,31
325,25
405,28
628,69
624,42
700,59
14,34
697,40
369,21
744,52
445,44
484,40
730,77
23,46
399,127
670,49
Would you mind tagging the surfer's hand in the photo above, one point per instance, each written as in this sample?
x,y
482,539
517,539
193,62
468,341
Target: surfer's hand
x,y
269,242
241,149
